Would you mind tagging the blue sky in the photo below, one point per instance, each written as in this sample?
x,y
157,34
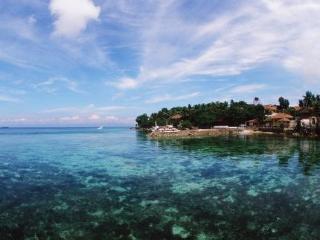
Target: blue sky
x,y
92,62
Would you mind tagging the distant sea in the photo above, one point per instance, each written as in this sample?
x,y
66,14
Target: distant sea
x,y
115,183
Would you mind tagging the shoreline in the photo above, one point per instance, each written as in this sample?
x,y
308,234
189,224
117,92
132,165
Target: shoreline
x,y
202,133
199,133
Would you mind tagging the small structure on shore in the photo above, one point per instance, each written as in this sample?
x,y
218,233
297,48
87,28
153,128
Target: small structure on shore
x,y
293,124
176,117
221,127
252,123
310,122
165,129
278,120
272,108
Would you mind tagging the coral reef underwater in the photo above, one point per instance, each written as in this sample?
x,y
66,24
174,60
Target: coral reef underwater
x,y
117,184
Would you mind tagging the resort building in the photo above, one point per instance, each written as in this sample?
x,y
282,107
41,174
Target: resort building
x,y
164,129
297,108
271,108
279,120
176,119
310,122
252,123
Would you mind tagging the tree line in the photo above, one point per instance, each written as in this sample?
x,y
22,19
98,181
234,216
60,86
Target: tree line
x,y
225,113
311,102
204,115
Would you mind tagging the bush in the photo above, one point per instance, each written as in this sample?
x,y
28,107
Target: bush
x,y
185,124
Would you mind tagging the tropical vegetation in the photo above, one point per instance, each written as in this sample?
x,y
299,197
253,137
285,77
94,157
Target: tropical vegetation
x,y
311,103
204,115
224,113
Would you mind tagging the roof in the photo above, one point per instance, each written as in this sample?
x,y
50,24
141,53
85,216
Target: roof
x,y
270,107
176,117
277,116
283,120
253,120
297,108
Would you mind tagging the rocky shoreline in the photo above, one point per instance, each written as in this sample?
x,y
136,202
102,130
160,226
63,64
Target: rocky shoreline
x,y
207,133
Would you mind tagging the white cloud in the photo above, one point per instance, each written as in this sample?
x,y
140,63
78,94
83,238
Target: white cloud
x,y
13,120
89,109
304,59
68,119
19,27
72,17
52,85
126,83
112,119
267,31
167,97
5,98
94,117
248,88
19,120
89,114
115,120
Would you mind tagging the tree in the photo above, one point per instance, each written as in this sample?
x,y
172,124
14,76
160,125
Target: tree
x,y
256,101
311,102
308,99
206,115
143,121
255,112
185,124
283,103
316,108
301,104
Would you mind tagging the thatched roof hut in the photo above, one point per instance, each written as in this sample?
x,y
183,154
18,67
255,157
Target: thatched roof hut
x,y
252,123
271,108
176,117
278,116
278,120
284,120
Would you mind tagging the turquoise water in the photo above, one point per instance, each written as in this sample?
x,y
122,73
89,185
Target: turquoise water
x,y
82,183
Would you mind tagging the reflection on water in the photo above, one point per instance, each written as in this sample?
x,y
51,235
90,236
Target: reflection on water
x,y
117,184
283,149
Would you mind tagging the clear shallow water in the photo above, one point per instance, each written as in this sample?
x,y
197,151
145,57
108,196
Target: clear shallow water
x,y
117,184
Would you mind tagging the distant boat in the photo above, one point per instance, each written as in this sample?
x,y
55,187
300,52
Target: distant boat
x,y
100,128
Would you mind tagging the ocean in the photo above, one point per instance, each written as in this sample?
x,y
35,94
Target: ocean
x,y
115,183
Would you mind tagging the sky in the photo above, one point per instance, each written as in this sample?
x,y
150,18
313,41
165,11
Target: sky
x,y
103,62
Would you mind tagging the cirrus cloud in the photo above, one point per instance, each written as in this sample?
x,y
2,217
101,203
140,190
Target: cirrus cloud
x,y
167,97
248,88
230,43
5,98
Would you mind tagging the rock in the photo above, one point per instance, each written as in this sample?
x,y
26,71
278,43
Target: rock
x,y
180,231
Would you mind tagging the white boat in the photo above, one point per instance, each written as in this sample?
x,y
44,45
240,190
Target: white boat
x,y
100,128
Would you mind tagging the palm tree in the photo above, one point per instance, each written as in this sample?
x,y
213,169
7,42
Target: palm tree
x,y
308,99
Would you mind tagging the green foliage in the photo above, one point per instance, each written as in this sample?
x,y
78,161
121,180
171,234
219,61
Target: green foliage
x,y
240,112
311,102
206,115
283,104
292,111
184,124
224,113
143,121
